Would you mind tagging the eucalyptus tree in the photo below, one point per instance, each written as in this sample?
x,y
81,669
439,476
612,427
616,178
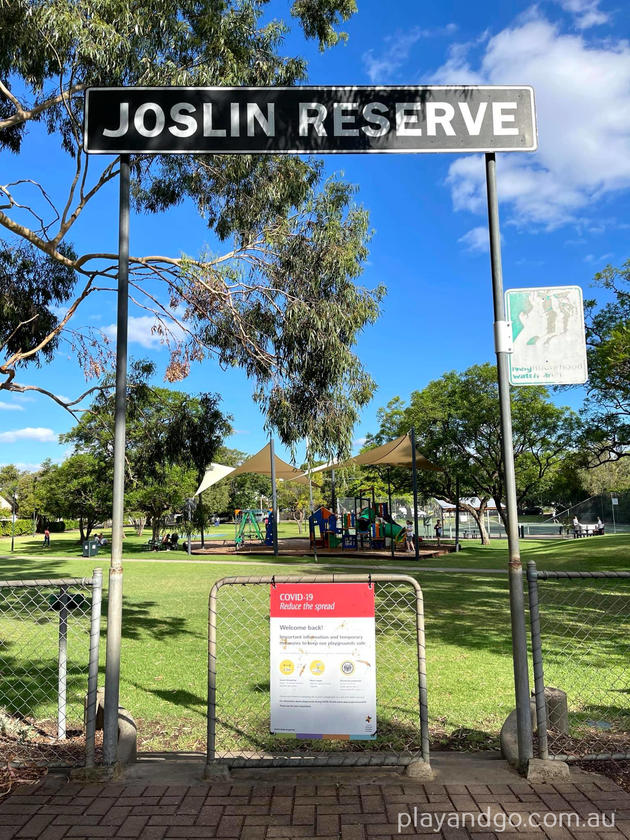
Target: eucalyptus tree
x,y
458,427
277,290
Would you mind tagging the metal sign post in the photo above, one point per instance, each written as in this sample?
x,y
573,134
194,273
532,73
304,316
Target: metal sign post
x,y
517,603
309,120
114,594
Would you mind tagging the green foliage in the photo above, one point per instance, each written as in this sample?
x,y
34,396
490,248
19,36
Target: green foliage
x,y
171,438
31,284
79,488
607,435
22,526
457,425
282,301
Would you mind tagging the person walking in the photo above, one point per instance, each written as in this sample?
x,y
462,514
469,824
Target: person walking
x,y
438,530
409,545
46,538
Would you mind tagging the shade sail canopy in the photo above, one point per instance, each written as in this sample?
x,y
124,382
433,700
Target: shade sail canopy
x,y
259,463
395,453
214,474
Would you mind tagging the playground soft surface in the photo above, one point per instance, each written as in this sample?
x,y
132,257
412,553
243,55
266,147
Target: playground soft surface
x,y
164,656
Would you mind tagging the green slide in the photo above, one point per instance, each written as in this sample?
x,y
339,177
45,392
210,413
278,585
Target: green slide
x,y
392,530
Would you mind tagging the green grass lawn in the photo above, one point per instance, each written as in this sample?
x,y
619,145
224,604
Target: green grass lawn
x,y
164,653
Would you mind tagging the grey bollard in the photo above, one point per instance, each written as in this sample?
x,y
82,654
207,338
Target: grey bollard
x,y
557,710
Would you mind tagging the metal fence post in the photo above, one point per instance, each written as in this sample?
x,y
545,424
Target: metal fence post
x,y
95,629
212,670
63,663
422,676
539,678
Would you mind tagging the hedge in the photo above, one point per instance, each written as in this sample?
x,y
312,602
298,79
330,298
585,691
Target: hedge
x,y
22,526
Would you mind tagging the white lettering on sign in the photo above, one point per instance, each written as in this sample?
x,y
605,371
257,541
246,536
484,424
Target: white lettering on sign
x,y
139,120
499,118
343,116
309,120
315,119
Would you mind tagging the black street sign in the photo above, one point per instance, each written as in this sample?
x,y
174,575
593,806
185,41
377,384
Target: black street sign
x,y
309,120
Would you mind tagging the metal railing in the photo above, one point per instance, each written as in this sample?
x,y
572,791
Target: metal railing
x,y
239,677
49,645
580,626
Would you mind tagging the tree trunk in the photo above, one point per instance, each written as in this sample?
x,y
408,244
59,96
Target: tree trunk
x,y
82,536
478,515
299,518
201,520
155,528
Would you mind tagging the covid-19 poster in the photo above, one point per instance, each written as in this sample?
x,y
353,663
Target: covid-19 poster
x,y
323,660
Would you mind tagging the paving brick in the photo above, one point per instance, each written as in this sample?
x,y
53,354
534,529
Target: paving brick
x,y
189,831
243,810
253,832
100,806
282,805
191,805
155,790
132,801
229,826
152,832
304,815
268,819
173,819
290,831
372,804
116,816
327,823
352,832
132,826
209,815
380,829
35,826
90,832
53,832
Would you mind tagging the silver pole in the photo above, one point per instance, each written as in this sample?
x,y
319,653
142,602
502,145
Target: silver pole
x,y
95,629
611,506
457,545
517,603
414,479
310,497
63,663
13,525
114,610
274,498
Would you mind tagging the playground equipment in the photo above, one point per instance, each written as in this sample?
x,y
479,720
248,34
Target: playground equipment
x,y
247,527
370,525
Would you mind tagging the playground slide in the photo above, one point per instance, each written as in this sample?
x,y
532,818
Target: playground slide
x,y
388,527
392,530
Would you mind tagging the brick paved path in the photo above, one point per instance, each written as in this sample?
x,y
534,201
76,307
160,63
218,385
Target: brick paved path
x,y
55,809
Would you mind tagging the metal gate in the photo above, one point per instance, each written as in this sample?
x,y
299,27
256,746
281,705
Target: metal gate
x,y
580,624
49,643
239,677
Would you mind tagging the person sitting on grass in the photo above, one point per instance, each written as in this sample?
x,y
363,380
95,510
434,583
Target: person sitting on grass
x,y
174,541
166,541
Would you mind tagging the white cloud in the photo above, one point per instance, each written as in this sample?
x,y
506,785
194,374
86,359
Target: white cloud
x,y
476,240
583,106
396,48
4,406
29,433
587,12
140,332
359,442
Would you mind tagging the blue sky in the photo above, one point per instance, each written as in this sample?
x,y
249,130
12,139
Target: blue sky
x,y
564,209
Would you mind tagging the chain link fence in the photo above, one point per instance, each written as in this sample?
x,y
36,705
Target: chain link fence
x,y
239,677
49,642
580,624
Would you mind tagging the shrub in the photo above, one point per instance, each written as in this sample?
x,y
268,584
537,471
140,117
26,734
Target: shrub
x,y
22,527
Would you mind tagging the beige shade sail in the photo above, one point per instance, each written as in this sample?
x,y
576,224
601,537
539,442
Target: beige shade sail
x,y
260,463
213,474
395,453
